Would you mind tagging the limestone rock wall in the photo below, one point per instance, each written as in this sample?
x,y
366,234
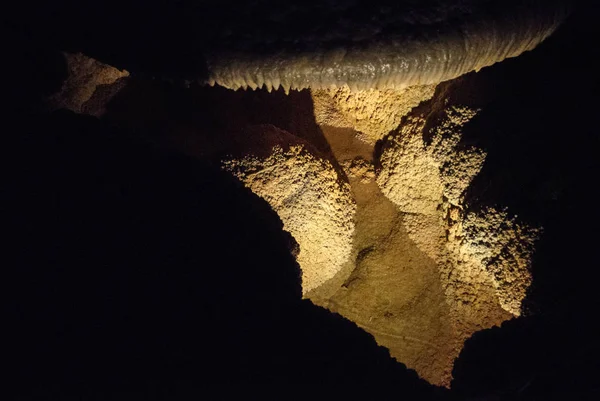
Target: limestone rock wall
x,y
305,190
396,249
484,256
504,245
372,112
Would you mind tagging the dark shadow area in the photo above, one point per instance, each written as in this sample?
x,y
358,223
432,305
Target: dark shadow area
x,y
133,272
171,39
539,128
213,123
541,134
207,121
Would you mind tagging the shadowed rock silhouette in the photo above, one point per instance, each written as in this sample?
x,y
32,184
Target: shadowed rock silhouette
x,y
142,274
544,165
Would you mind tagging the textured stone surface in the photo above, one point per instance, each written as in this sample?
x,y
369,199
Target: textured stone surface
x,y
391,46
315,205
417,175
389,286
411,266
372,112
484,256
359,168
505,246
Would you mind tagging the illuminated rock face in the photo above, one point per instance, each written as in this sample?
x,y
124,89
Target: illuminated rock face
x,y
417,175
388,287
411,264
399,45
502,244
478,253
315,205
359,168
372,112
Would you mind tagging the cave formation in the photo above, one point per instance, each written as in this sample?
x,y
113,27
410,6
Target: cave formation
x,y
363,135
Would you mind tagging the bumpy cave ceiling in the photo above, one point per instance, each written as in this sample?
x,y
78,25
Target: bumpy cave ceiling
x,y
351,126
371,46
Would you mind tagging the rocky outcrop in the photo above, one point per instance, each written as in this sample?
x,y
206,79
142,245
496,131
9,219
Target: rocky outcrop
x,y
443,260
305,190
156,276
504,245
431,258
479,254
372,112
417,175
388,287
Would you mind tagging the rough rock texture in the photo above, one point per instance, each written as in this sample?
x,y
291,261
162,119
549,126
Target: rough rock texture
x,y
302,186
505,246
298,44
85,77
390,269
359,168
483,256
389,287
391,46
417,175
150,267
372,112
404,282
468,286
305,190
476,252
